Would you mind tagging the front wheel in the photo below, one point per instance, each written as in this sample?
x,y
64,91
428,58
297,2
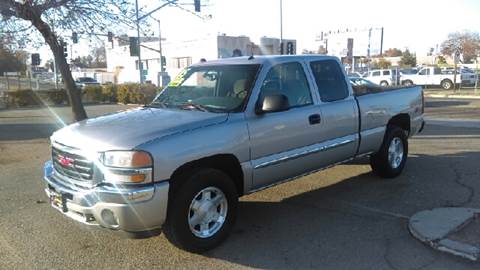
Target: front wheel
x,y
202,212
384,83
390,160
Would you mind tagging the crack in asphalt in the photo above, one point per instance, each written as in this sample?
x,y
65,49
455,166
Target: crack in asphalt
x,y
457,179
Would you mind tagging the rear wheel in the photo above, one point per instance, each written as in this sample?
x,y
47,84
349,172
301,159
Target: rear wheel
x,y
384,83
202,211
390,160
447,84
407,83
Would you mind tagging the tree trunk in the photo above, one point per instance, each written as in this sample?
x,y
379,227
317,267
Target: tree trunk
x,y
74,94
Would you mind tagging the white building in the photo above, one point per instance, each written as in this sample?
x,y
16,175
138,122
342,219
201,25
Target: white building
x,y
179,55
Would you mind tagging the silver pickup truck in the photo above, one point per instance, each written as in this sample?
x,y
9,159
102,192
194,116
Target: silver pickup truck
x,y
220,130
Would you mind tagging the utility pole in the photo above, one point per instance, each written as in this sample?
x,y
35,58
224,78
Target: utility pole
x,y
140,66
281,26
381,43
368,50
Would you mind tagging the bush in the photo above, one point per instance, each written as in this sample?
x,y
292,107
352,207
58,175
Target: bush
x,y
56,97
21,98
109,93
27,97
136,93
92,93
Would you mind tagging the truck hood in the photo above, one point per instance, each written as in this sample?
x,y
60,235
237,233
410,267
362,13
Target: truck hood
x,y
128,129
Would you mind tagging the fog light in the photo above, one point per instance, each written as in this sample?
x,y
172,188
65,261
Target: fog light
x,y
109,218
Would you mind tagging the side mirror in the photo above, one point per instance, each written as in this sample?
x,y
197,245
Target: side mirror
x,y
272,103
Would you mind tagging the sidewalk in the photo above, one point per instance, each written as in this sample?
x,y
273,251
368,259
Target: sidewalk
x,y
453,230
459,94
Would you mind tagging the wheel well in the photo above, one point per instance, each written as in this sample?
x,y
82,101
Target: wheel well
x,y
400,120
446,80
227,163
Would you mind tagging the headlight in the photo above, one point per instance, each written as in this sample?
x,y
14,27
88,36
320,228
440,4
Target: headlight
x,y
126,159
127,166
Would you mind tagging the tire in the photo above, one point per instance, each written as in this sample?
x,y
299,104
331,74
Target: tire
x,y
446,84
389,161
407,83
180,227
384,83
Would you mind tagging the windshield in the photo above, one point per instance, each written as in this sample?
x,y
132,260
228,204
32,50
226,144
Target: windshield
x,y
221,88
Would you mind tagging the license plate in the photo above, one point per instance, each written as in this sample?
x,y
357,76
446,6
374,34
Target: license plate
x,y
58,201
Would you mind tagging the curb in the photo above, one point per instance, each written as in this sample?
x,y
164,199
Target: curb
x,y
451,96
433,227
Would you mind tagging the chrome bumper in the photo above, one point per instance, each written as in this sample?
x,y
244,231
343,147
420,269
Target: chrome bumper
x,y
131,210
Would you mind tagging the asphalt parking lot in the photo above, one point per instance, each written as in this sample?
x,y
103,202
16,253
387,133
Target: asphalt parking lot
x,y
340,218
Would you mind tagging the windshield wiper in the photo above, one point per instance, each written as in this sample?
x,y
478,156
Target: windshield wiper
x,y
157,105
188,105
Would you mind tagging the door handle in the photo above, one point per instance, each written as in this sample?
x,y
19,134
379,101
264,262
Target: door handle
x,y
314,119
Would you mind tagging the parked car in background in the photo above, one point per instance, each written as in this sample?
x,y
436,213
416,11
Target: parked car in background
x,y
383,77
435,76
355,75
361,81
81,82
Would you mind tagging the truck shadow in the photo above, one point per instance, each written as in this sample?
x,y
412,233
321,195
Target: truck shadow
x,y
27,131
339,226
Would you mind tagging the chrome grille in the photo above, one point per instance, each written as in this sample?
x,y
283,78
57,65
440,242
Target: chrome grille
x,y
72,165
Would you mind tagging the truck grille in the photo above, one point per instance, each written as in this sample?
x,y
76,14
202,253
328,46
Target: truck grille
x,y
72,165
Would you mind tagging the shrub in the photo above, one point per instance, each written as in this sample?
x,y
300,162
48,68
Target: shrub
x,y
93,93
109,93
27,97
136,93
21,98
56,97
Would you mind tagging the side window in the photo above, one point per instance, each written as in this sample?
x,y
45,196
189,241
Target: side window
x,y
425,71
376,73
288,79
386,72
437,71
330,80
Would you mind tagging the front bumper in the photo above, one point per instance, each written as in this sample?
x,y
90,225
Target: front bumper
x,y
128,209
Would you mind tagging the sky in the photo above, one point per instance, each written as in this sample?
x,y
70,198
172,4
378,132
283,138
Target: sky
x,y
414,24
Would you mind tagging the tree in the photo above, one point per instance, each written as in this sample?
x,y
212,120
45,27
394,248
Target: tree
x,y
382,63
441,60
408,59
392,52
12,61
465,43
51,18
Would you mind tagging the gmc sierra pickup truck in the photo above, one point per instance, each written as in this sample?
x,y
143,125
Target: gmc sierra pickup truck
x,y
220,130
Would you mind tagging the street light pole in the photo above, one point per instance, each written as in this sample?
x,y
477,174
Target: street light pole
x,y
162,69
281,26
140,66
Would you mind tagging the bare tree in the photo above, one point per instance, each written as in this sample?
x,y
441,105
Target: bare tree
x,y
462,43
51,18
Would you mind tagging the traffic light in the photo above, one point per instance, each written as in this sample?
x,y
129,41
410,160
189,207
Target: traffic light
x,y
197,5
134,46
35,59
164,61
290,48
110,36
74,37
65,48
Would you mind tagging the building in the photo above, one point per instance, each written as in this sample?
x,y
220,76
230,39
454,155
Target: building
x,y
179,55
